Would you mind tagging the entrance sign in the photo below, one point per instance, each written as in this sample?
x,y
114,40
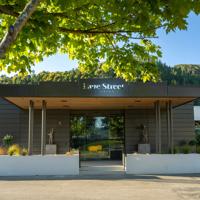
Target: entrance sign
x,y
102,86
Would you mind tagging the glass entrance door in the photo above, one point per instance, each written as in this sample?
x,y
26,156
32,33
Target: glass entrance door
x,y
98,137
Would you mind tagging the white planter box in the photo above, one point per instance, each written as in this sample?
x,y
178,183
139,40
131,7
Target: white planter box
x,y
162,163
39,165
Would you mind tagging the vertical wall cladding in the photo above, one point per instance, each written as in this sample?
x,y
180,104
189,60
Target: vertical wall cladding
x,y
59,121
183,123
24,128
9,120
133,119
56,119
15,121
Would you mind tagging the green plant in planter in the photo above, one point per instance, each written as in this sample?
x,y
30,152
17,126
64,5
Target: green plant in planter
x,y
176,150
7,140
14,150
197,138
193,146
24,152
185,149
192,142
3,151
198,149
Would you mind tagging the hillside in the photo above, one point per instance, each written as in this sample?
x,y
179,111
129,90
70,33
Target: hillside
x,y
178,75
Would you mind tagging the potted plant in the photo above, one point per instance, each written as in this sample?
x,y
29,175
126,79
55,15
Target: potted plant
x,y
7,140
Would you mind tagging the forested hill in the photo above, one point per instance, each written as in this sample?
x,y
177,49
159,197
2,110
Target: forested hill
x,y
178,75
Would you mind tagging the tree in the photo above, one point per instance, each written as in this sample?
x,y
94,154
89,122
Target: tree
x,y
114,34
14,30
177,75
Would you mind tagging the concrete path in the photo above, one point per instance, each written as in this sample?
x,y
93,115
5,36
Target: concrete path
x,y
101,187
101,167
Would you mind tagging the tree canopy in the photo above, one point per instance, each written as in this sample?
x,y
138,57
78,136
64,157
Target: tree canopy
x,y
114,34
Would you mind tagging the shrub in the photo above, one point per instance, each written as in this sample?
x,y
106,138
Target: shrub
x,y
198,149
176,149
68,153
14,150
72,152
197,138
7,140
24,152
192,142
3,151
185,149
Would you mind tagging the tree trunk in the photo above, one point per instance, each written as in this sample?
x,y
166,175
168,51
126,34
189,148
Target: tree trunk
x,y
15,29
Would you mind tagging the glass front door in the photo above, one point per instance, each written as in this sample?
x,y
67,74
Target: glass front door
x,y
98,137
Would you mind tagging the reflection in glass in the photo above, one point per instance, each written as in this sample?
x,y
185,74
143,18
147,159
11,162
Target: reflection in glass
x,y
98,137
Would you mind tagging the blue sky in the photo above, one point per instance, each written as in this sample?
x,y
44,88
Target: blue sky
x,y
180,47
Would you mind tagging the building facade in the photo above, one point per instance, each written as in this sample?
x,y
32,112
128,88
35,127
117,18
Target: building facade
x,y
107,114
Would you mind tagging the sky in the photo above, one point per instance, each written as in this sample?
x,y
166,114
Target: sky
x,y
179,47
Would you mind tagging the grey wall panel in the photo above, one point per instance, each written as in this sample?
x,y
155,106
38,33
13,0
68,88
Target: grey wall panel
x,y
9,120
56,119
183,125
15,121
59,121
133,119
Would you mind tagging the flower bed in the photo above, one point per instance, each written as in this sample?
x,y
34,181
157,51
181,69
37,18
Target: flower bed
x,y
39,165
162,163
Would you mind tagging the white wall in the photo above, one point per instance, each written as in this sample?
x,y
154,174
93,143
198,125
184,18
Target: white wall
x,y
196,113
39,165
162,163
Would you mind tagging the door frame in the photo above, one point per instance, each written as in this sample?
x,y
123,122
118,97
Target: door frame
x,y
99,113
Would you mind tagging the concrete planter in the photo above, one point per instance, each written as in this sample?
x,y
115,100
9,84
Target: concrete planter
x,y
162,163
39,165
51,149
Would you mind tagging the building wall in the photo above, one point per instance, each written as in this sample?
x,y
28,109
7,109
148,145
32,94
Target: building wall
x,y
14,121
9,120
183,124
133,119
56,119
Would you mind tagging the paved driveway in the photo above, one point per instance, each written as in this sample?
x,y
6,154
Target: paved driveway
x,y
106,187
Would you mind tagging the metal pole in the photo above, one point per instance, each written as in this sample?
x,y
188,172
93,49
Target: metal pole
x,y
156,125
168,126
159,129
30,127
171,127
43,128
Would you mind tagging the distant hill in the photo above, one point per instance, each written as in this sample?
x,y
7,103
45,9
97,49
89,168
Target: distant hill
x,y
182,74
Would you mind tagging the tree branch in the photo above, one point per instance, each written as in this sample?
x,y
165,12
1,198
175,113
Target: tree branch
x,y
8,11
93,31
98,29
15,29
